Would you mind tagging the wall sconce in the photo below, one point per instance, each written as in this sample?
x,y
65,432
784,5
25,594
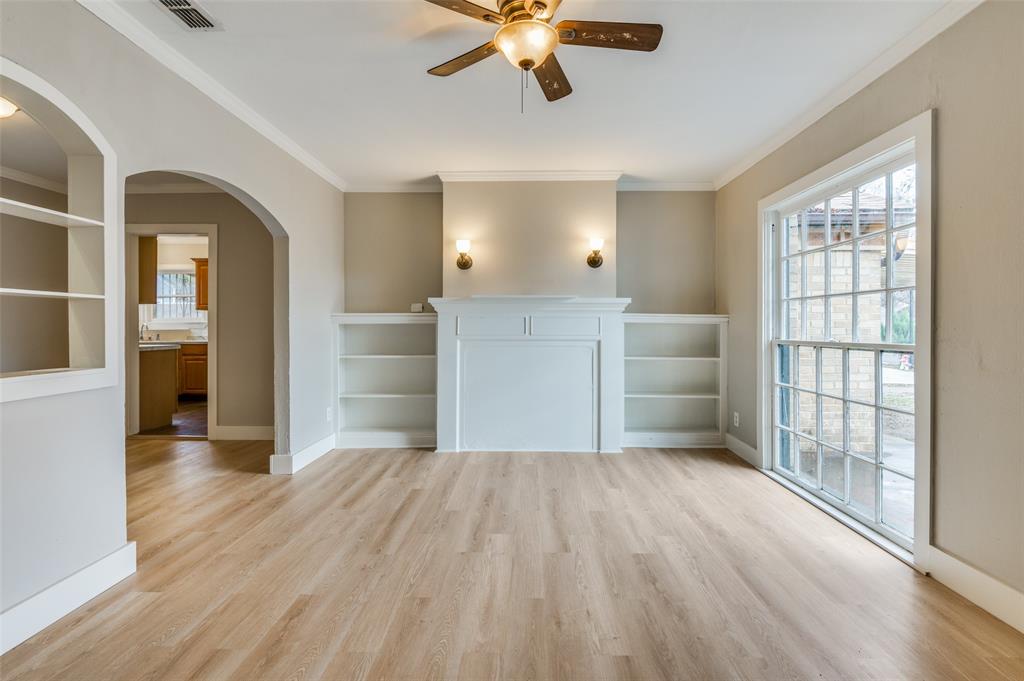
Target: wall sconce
x,y
463,246
595,259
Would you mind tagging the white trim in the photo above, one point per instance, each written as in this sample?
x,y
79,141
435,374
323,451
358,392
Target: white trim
x,y
215,432
532,176
653,186
851,165
950,13
986,592
289,464
33,180
172,188
132,310
386,439
743,450
384,318
680,439
124,23
26,619
432,187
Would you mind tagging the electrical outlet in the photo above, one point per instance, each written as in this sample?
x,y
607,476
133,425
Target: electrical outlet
x,y
735,419
330,414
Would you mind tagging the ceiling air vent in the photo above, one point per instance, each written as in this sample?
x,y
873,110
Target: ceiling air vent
x,y
189,14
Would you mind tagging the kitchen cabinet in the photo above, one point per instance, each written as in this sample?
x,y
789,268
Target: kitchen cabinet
x,y
192,369
157,398
202,283
147,270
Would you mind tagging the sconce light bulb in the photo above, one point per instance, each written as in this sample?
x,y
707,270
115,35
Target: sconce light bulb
x,y
596,244
463,245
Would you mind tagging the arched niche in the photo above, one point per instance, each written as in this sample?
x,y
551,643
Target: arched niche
x,y
74,308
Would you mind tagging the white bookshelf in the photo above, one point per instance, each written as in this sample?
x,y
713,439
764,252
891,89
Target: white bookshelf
x,y
675,380
57,305
386,380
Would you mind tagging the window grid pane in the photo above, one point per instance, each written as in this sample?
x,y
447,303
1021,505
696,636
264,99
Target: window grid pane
x,y
845,415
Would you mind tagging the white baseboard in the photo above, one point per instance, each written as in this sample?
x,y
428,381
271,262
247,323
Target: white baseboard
x,y
386,439
240,432
26,619
287,464
986,592
743,450
670,439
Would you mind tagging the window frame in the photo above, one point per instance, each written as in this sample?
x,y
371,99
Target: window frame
x,y
885,153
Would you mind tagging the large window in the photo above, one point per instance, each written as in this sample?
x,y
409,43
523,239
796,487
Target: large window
x,y
844,308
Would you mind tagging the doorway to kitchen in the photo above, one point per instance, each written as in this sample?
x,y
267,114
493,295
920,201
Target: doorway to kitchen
x,y
170,321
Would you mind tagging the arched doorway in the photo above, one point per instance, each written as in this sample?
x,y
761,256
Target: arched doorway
x,y
232,354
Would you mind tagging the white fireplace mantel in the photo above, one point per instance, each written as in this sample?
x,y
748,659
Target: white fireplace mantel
x,y
530,373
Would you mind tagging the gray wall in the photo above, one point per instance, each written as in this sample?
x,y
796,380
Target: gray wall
x,y
973,75
245,297
392,251
62,457
666,249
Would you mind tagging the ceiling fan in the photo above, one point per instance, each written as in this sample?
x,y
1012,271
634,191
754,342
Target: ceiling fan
x,y
528,40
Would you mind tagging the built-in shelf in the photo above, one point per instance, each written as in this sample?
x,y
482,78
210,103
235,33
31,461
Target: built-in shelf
x,y
675,380
384,357
50,217
657,358
32,293
387,396
386,380
673,396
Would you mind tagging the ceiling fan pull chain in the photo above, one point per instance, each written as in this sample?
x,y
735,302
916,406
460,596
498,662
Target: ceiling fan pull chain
x,y
522,91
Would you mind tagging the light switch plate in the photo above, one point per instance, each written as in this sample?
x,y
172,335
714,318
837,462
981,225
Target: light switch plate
x,y
416,307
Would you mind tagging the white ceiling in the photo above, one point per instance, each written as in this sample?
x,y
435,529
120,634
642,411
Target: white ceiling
x,y
347,81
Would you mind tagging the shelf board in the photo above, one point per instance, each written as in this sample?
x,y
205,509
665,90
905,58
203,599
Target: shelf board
x,y
33,293
36,372
669,358
412,432
671,431
51,217
377,396
673,396
389,356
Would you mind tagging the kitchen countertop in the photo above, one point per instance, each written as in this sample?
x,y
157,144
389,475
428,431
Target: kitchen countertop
x,y
149,347
173,342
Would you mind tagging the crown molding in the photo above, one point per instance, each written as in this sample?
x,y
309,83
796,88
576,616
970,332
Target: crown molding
x,y
131,28
173,188
34,180
532,176
645,186
395,188
950,13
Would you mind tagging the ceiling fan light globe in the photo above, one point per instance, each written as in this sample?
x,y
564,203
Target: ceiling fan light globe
x,y
526,43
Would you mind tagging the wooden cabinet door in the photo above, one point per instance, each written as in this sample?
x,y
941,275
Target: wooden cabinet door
x,y
202,283
194,374
147,270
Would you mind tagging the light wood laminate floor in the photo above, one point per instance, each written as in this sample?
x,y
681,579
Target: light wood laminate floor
x,y
401,564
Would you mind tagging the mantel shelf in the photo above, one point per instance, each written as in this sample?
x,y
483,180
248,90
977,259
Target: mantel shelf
x,y
34,293
38,214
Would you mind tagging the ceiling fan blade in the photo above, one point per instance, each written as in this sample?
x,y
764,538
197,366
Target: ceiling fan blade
x,y
542,9
552,79
620,36
470,10
464,60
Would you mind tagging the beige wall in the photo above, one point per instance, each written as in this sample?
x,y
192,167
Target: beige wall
x,y
664,243
33,332
27,193
245,297
973,76
175,256
529,238
392,251
666,251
